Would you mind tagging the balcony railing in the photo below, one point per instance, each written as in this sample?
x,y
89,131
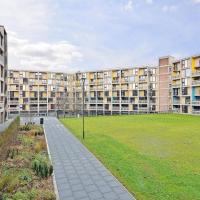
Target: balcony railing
x,y
99,107
196,112
14,109
197,82
116,108
142,101
115,81
42,108
33,101
13,102
176,110
176,102
115,101
196,102
197,73
33,108
176,85
125,101
124,108
176,77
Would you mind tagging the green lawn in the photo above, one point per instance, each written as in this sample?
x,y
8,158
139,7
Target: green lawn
x,y
154,156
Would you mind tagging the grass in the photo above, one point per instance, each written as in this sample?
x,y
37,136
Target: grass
x,y
154,156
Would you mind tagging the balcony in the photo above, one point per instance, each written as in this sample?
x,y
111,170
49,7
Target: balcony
x,y
143,109
196,74
142,80
115,81
1,104
99,107
197,82
176,102
124,108
196,103
33,108
176,85
14,108
197,65
33,101
125,101
42,101
143,101
176,77
43,108
116,108
13,102
93,101
115,101
176,110
196,112
142,87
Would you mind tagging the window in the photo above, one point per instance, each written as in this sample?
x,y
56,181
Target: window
x,y
135,86
153,78
106,93
135,71
135,93
132,78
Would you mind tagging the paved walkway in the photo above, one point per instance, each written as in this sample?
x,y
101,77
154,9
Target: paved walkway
x,y
78,174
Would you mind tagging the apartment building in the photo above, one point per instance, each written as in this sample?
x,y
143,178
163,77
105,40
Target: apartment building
x,y
35,93
118,91
186,85
3,74
174,85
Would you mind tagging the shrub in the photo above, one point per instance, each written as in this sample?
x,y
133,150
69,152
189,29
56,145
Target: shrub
x,y
39,130
40,146
47,195
21,196
7,136
25,128
42,166
11,153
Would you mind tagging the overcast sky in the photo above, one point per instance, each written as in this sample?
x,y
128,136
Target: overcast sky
x,y
73,35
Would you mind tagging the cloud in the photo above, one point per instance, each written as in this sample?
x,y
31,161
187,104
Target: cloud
x,y
128,6
27,15
196,1
149,1
169,8
55,56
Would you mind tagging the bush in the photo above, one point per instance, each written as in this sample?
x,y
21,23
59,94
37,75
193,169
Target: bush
x,y
39,130
40,146
26,127
42,166
11,153
21,196
7,136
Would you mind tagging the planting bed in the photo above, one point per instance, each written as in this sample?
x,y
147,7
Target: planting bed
x,y
25,172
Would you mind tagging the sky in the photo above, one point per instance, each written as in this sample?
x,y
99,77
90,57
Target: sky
x,y
83,35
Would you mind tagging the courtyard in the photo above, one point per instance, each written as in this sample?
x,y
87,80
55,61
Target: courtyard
x,y
153,156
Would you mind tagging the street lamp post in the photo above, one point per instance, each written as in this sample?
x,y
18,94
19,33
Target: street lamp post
x,y
83,94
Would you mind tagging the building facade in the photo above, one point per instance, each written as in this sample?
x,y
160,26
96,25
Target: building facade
x,y
3,74
186,85
118,91
174,85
